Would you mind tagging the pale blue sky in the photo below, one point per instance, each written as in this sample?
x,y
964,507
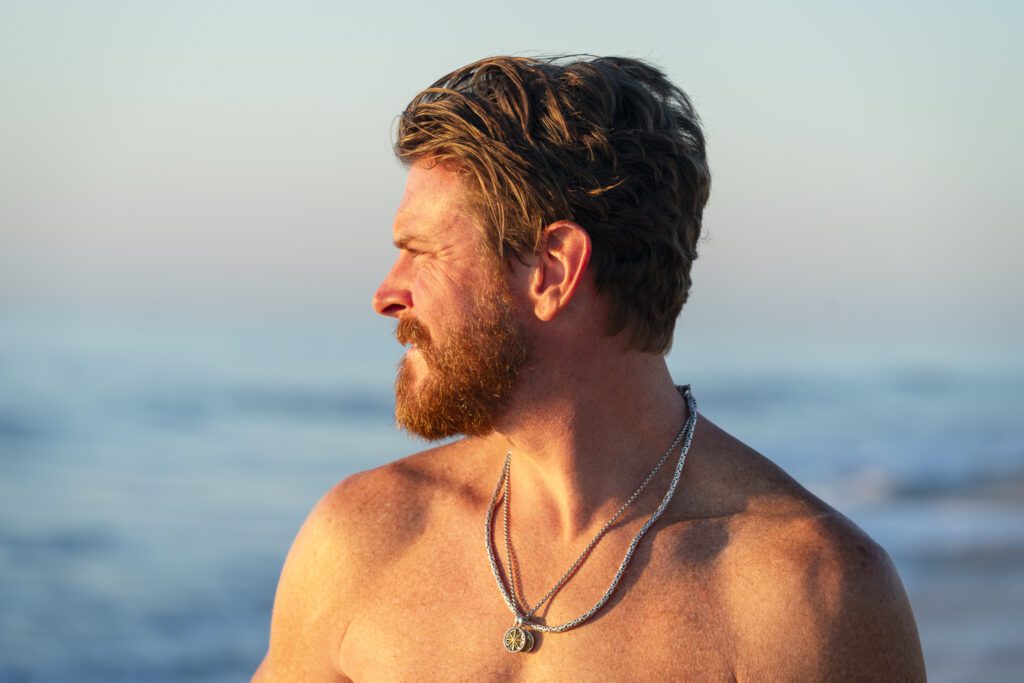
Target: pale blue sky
x,y
226,156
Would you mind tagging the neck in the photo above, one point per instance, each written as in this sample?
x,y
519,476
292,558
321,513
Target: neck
x,y
583,439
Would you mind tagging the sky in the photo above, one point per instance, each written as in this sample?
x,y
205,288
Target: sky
x,y
225,157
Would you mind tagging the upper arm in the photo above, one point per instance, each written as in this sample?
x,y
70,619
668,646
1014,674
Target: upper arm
x,y
872,635
309,617
829,605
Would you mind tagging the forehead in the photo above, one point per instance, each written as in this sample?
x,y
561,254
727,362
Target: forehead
x,y
435,206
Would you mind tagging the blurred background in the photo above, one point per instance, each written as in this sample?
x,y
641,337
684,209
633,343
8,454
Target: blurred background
x,y
195,207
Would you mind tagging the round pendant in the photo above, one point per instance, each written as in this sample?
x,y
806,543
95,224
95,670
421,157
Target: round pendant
x,y
518,640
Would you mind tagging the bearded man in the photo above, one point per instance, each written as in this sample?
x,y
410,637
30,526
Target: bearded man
x,y
545,240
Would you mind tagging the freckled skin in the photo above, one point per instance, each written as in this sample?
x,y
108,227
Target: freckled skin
x,y
747,576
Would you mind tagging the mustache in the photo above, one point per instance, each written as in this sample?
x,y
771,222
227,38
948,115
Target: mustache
x,y
411,331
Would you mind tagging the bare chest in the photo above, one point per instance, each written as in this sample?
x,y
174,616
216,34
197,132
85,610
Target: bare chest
x,y
438,614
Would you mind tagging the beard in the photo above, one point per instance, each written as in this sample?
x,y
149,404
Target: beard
x,y
470,372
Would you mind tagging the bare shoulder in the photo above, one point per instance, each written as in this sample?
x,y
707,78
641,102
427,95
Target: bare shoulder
x,y
360,525
810,595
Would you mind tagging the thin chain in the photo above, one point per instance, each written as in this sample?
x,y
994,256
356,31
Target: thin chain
x,y
686,431
590,546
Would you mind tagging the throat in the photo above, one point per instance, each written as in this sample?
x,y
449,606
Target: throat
x,y
510,580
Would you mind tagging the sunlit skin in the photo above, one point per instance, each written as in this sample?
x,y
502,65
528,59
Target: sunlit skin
x,y
747,576
459,372
439,269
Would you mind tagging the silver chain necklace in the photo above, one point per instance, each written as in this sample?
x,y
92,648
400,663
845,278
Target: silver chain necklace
x,y
518,638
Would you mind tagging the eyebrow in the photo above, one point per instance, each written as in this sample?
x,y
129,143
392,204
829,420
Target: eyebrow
x,y
406,240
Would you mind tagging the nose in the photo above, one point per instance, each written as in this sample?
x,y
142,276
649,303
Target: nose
x,y
392,297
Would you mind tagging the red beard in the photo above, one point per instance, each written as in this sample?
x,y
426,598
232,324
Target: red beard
x,y
470,372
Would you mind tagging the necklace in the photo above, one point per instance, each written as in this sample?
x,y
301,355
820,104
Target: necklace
x,y
518,638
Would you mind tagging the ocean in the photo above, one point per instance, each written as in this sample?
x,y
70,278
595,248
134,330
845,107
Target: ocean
x,y
154,470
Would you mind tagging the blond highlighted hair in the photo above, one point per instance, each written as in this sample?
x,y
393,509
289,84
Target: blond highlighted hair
x,y
607,142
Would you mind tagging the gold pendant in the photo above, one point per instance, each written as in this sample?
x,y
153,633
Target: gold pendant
x,y
518,639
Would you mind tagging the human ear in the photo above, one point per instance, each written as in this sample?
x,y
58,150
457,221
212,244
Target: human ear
x,y
561,263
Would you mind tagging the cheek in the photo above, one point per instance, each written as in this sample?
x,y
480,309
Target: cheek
x,y
442,277
441,289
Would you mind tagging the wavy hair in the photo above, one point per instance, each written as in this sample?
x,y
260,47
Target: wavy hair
x,y
606,142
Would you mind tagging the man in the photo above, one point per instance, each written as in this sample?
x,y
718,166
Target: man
x,y
550,220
